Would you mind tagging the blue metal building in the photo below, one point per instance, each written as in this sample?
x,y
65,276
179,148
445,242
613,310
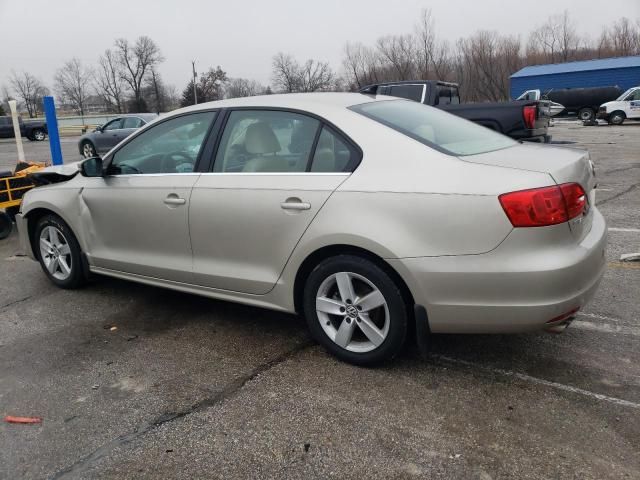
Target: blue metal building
x,y
623,72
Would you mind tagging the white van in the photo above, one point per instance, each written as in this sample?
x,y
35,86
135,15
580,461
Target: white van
x,y
625,106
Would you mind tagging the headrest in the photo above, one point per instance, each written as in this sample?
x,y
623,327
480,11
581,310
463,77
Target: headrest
x,y
260,139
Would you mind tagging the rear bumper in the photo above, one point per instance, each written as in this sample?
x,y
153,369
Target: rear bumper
x,y
534,134
510,289
23,235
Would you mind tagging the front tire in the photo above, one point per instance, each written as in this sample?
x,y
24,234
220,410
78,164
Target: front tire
x,y
58,252
617,118
355,310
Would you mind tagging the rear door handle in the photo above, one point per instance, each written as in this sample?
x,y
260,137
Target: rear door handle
x,y
173,199
295,204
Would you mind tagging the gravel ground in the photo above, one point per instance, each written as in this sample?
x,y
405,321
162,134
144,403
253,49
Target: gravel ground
x,y
187,387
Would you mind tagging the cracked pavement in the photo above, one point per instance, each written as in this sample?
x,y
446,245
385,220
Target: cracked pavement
x,y
186,387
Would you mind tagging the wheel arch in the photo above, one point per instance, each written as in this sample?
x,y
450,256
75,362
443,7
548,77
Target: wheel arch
x,y
35,214
322,253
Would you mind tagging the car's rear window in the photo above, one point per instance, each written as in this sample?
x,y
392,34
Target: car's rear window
x,y
435,128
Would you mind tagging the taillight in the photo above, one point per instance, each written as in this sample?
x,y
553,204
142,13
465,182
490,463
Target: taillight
x,y
529,114
539,207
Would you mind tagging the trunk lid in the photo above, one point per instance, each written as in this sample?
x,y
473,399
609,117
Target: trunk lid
x,y
564,165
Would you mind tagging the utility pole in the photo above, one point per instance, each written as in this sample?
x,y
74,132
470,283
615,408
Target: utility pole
x,y
157,91
195,90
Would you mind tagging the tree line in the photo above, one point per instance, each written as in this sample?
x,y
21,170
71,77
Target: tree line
x,y
482,62
126,76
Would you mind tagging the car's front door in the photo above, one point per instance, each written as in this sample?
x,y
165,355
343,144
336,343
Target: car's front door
x,y
135,218
633,109
273,172
6,127
107,137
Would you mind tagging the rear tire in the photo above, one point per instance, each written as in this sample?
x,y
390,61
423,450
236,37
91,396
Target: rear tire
x,y
355,310
38,135
617,118
5,225
586,114
58,252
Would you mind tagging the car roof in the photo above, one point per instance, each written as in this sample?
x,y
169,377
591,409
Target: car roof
x,y
298,101
144,116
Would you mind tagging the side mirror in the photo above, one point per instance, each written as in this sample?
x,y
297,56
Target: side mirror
x,y
98,129
92,167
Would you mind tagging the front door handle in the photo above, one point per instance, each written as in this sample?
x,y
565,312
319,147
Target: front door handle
x,y
173,199
295,204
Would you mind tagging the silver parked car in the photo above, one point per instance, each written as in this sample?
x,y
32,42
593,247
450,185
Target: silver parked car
x,y
107,136
362,213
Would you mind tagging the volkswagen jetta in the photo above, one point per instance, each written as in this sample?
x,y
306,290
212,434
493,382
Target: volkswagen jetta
x,y
361,213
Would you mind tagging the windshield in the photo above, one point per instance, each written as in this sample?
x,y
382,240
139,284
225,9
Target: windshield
x,y
622,97
435,128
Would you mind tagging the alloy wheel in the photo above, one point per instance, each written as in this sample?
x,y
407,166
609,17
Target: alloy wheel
x,y
87,150
55,253
39,135
353,312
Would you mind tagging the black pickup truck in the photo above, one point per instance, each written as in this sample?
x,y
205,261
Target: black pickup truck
x,y
521,120
34,130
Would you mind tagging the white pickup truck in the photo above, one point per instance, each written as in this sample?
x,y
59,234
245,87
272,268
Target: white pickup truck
x,y
625,106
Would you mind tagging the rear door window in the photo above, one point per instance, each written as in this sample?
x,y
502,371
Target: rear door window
x,y
266,141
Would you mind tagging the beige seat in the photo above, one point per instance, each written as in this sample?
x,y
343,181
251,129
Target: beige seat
x,y
261,142
324,159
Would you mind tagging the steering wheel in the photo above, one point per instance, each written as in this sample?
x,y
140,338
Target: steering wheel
x,y
171,160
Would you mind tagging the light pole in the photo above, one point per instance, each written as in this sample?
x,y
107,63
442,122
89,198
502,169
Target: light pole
x,y
195,92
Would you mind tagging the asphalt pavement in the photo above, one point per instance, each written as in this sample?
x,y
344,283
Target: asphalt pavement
x,y
138,382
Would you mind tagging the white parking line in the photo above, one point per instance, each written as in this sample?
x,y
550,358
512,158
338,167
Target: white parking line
x,y
605,327
633,230
599,317
540,381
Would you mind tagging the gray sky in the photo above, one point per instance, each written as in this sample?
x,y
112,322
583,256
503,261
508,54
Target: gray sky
x,y
242,36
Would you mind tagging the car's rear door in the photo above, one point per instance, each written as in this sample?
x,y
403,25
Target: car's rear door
x,y
273,172
136,217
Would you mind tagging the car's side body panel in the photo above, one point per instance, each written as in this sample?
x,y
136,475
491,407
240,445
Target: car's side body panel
x,y
245,226
433,217
129,227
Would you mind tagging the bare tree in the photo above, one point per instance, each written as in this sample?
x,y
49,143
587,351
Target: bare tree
x,y
486,62
108,81
72,84
554,41
312,76
620,39
285,73
242,87
4,99
136,63
399,52
30,90
316,76
361,65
